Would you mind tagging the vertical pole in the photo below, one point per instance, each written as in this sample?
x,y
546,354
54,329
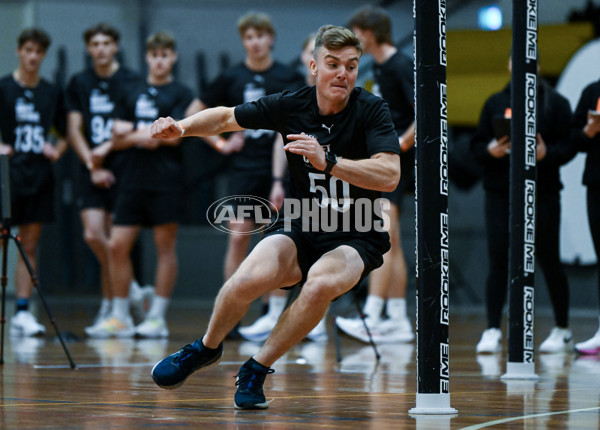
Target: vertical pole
x,y
432,247
520,363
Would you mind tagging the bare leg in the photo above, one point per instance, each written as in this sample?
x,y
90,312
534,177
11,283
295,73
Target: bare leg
x,y
237,246
96,233
389,281
121,242
271,265
30,235
334,274
165,237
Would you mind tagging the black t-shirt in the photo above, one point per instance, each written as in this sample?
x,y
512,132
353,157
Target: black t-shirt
x,y
240,85
96,99
26,117
158,169
394,82
553,124
362,129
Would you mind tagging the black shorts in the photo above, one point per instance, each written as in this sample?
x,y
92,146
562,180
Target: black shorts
x,y
311,246
148,208
92,197
32,208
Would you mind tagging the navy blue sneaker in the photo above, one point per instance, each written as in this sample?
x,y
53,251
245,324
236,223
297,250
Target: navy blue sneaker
x,y
250,380
172,371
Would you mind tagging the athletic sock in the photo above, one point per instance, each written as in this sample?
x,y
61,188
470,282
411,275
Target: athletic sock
x,y
22,305
120,308
158,308
105,306
373,306
396,308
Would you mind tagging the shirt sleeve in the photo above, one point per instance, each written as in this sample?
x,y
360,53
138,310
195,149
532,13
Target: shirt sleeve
x,y
72,101
381,134
259,114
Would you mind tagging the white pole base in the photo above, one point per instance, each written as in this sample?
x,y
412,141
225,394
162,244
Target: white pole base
x,y
433,404
520,371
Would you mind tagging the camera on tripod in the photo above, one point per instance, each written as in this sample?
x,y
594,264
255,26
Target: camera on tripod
x,y
6,235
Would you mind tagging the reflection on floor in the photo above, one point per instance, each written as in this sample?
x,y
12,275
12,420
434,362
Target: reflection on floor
x,y
311,388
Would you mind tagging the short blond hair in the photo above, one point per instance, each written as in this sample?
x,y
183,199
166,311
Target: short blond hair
x,y
333,37
161,40
257,20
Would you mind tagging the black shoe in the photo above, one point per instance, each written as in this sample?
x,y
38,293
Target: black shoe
x,y
172,371
250,380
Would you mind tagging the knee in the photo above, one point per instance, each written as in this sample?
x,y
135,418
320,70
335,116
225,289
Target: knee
x,y
322,290
93,237
118,250
166,250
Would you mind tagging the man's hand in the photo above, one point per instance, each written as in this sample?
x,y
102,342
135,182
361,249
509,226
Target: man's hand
x,y
540,150
592,128
102,178
6,149
309,147
166,128
99,153
50,152
499,148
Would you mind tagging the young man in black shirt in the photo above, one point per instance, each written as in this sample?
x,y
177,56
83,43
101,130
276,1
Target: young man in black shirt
x,y
250,170
342,152
29,107
91,104
393,80
151,194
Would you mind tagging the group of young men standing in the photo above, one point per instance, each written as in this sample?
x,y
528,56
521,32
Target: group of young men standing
x,y
128,180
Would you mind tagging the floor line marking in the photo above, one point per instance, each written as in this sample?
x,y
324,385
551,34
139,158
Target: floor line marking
x,y
525,417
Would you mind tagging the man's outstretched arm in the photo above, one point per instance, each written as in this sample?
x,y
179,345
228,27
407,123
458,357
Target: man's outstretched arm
x,y
204,123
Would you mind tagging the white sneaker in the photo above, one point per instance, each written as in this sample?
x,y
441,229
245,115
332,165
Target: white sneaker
x,y
590,346
152,328
319,333
560,340
104,313
382,331
490,341
260,330
112,327
355,327
393,331
23,323
140,299
490,364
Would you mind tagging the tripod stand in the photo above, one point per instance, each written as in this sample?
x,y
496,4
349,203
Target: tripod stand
x,y
5,237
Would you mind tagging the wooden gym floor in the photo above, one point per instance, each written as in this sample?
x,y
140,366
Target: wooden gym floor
x,y
112,388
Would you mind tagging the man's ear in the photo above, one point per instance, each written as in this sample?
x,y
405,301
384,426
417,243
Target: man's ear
x,y
313,67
